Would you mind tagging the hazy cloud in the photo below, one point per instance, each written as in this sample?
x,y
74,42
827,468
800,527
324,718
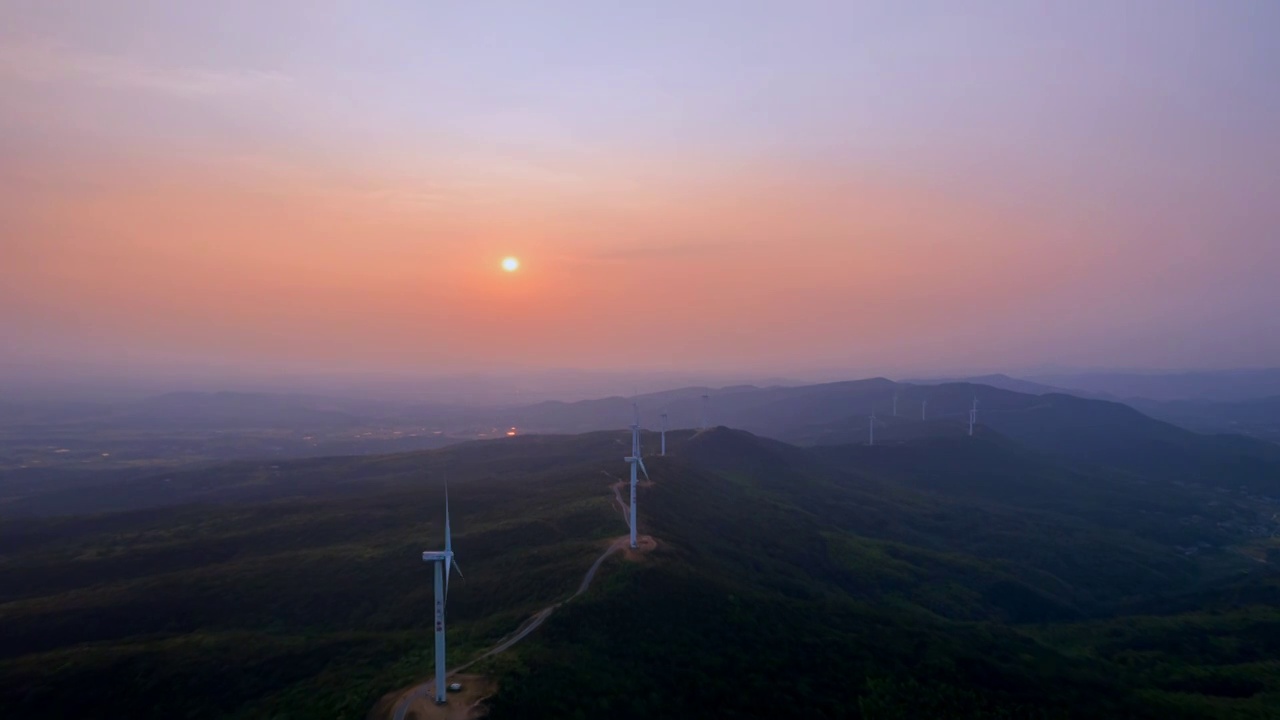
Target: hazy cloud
x,y
634,251
45,62
661,249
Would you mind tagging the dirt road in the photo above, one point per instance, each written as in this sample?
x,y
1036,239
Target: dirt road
x,y
532,623
427,689
617,497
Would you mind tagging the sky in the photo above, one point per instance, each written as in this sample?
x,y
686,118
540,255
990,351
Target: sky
x,y
888,188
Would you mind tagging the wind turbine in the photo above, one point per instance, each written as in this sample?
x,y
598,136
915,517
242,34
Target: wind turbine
x,y
924,409
871,428
634,460
973,415
443,564
664,434
706,399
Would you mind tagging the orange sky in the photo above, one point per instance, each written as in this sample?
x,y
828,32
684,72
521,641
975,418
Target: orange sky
x,y
172,205
188,256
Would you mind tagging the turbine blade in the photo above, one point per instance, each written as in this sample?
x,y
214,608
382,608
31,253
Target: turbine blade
x,y
642,468
458,567
448,540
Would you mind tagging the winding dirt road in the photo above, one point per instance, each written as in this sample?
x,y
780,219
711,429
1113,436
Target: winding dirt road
x,y
426,689
617,486
532,623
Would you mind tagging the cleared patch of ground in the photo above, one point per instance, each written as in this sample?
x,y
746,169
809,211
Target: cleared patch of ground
x,y
465,704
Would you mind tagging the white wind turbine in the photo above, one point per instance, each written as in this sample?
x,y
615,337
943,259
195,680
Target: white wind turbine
x,y
871,428
443,564
664,434
973,415
635,461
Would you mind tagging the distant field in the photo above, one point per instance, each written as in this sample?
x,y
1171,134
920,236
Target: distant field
x,y
107,448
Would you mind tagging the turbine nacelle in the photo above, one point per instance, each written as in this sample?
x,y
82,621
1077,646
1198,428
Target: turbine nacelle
x,y
450,565
635,460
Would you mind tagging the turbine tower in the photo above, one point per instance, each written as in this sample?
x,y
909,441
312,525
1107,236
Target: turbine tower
x,y
973,415
924,408
634,460
443,564
706,400
664,434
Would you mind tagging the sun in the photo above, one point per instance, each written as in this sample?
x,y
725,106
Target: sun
x,y
510,264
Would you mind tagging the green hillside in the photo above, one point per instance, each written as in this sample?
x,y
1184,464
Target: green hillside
x,y
936,577
783,589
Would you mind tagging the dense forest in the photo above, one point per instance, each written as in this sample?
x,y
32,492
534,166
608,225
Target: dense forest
x,y
933,575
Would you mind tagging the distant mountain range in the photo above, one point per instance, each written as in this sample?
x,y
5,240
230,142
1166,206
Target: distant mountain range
x,y
1245,402
1005,382
197,427
1210,385
833,412
1089,432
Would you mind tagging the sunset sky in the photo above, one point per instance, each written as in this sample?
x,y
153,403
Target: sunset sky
x,y
888,187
